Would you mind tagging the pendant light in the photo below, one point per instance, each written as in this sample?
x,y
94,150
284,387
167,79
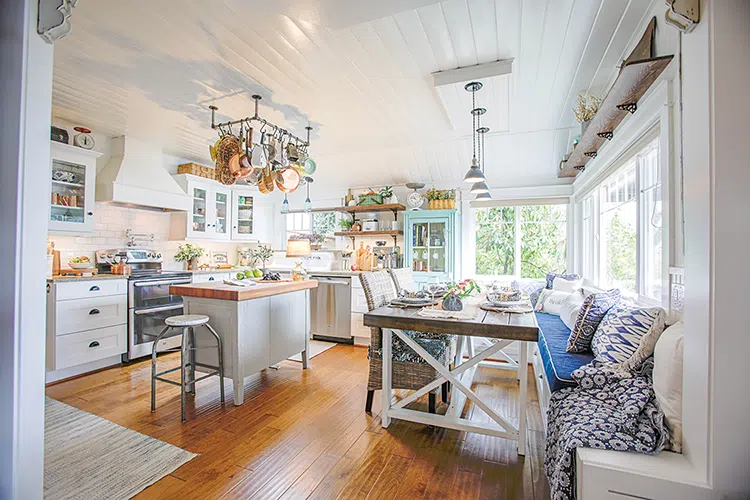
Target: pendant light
x,y
308,203
481,186
285,205
481,189
474,174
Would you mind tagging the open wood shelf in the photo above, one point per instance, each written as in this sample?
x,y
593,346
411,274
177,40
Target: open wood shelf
x,y
634,80
386,207
354,234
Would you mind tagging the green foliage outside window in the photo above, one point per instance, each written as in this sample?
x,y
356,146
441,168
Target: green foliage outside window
x,y
324,223
543,233
621,253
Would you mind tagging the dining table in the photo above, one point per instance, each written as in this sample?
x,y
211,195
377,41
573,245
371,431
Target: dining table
x,y
499,328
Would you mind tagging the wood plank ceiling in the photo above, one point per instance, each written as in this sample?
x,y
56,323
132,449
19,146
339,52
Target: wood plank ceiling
x,y
356,70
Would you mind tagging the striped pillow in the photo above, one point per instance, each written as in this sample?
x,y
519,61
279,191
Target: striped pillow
x,y
593,309
628,335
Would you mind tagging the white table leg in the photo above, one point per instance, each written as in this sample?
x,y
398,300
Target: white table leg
x,y
238,385
523,372
387,382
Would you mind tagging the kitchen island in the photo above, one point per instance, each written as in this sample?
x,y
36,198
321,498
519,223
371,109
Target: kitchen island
x,y
259,325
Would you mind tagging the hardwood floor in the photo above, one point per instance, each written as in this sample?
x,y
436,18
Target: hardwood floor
x,y
304,434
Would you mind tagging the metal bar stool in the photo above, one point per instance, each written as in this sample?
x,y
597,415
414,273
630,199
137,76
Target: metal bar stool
x,y
187,322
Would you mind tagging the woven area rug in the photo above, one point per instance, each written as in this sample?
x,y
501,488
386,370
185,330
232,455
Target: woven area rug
x,y
86,456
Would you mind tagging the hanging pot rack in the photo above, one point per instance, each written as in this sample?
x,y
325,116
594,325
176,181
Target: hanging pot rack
x,y
280,133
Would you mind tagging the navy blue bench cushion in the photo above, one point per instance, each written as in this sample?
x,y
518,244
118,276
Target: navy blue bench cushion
x,y
558,364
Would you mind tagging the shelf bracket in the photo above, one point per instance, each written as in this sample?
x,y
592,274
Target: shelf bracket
x,y
630,107
590,154
606,135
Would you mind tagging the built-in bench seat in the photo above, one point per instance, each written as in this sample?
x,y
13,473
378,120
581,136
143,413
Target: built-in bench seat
x,y
558,364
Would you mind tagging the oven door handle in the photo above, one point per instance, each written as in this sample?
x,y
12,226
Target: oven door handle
x,y
158,309
164,282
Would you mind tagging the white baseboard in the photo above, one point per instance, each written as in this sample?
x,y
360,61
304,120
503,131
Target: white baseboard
x,y
55,375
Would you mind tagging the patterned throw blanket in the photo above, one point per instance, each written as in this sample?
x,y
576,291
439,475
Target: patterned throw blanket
x,y
604,411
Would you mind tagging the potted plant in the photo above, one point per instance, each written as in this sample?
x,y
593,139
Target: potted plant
x,y
439,199
452,300
262,253
586,107
316,241
386,193
189,254
346,224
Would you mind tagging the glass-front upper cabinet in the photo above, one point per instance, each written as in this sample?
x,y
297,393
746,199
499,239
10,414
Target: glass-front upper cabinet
x,y
209,215
221,207
72,178
243,227
431,249
198,215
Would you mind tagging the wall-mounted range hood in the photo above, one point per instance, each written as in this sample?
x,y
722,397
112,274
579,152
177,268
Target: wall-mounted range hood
x,y
135,175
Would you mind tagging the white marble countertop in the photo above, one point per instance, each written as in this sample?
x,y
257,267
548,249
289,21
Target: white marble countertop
x,y
89,277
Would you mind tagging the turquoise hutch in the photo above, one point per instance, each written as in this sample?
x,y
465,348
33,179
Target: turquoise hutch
x,y
432,244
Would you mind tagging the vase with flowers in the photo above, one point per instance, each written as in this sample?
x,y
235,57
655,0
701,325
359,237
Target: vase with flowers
x,y
189,254
452,300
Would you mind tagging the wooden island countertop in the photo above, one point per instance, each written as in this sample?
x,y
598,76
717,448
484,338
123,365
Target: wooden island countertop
x,y
222,291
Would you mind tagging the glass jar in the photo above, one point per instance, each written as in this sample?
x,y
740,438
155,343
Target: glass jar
x,y
299,273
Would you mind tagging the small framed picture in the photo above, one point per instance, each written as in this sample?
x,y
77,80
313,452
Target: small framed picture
x,y
219,258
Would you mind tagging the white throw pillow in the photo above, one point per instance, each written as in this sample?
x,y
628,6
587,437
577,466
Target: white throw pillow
x,y
668,381
570,308
568,286
550,301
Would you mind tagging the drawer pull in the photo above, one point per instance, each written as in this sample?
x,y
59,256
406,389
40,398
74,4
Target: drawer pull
x,y
94,311
94,344
94,289
211,278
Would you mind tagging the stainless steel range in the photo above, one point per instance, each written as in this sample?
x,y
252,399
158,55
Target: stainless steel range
x,y
149,301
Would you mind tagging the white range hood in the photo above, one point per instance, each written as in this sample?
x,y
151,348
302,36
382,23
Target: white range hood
x,y
135,175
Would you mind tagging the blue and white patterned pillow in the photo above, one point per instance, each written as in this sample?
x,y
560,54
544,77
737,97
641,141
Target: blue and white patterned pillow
x,y
592,311
532,288
568,277
628,335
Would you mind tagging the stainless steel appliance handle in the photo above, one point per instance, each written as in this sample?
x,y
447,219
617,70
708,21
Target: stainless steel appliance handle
x,y
158,309
162,282
329,281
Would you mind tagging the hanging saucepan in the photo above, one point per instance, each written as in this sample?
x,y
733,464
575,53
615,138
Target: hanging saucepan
x,y
234,161
310,166
265,184
246,167
287,179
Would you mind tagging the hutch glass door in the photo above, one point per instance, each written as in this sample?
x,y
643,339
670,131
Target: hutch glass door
x,y
429,247
68,193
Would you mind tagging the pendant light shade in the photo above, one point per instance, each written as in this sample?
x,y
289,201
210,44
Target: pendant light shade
x,y
483,197
474,174
285,205
480,187
308,204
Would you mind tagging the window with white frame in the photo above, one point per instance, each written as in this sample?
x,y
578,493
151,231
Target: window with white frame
x,y
520,241
322,224
622,227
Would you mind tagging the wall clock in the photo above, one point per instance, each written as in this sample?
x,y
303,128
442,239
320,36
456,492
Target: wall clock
x,y
83,138
415,200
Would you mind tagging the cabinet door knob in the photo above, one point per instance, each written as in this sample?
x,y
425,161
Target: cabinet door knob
x,y
211,278
94,344
94,311
91,213
94,289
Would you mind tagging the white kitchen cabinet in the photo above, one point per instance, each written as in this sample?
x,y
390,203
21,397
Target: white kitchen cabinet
x,y
221,213
360,332
86,321
206,277
73,178
210,212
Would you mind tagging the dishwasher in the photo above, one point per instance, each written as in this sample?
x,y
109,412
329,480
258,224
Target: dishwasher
x,y
331,306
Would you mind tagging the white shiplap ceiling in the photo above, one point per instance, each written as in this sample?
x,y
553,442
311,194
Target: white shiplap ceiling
x,y
358,71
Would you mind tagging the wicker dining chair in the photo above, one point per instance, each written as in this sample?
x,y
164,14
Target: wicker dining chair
x,y
409,370
403,278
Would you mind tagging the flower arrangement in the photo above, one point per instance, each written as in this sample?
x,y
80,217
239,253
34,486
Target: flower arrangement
x,y
456,292
386,192
586,107
438,199
189,253
261,253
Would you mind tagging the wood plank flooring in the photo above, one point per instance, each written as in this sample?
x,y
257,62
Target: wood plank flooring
x,y
304,434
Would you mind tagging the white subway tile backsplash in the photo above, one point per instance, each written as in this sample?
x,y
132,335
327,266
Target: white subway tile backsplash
x,y
110,224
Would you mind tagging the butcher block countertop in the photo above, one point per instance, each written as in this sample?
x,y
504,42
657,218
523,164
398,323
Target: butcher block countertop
x,y
222,291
